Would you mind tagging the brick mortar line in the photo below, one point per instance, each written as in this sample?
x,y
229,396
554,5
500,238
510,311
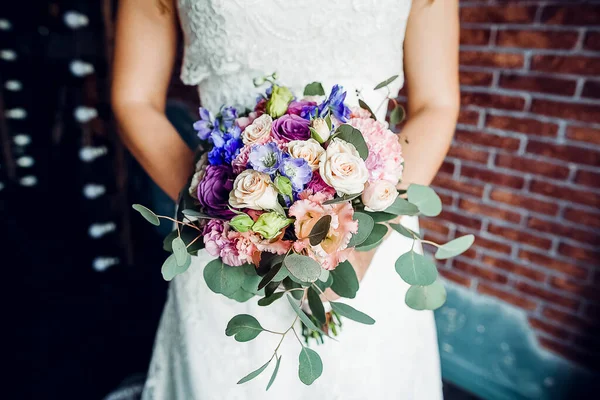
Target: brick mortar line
x,y
528,26
539,138
523,72
538,117
533,95
530,50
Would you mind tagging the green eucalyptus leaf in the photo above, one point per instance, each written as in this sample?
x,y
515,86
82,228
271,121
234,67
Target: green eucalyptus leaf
x,y
402,207
341,199
429,297
197,214
324,277
345,282
426,200
243,328
454,247
241,295
314,89
169,268
282,274
397,115
351,313
168,241
268,278
274,373
271,288
374,239
222,278
304,268
254,374
251,279
288,284
365,227
350,134
266,301
404,231
386,82
186,264
303,317
380,216
311,366
416,269
147,214
179,250
319,230
316,305
365,106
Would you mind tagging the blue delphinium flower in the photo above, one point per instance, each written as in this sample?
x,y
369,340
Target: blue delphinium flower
x,y
296,170
206,124
227,146
265,158
335,104
228,116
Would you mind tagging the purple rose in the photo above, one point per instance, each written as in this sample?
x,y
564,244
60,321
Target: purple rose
x,y
291,127
213,190
296,107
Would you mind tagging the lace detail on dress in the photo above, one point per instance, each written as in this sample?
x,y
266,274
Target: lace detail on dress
x,y
228,42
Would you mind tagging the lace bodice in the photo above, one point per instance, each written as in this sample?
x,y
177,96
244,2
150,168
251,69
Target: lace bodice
x,y
356,43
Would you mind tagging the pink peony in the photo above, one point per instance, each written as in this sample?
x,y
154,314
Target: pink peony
x,y
243,122
357,112
385,152
218,243
333,249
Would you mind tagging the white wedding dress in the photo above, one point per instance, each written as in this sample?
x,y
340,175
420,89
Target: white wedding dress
x,y
356,43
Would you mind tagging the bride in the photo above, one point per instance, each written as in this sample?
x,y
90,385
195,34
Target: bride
x,y
356,43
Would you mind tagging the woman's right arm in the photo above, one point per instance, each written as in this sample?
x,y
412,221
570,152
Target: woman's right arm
x,y
144,56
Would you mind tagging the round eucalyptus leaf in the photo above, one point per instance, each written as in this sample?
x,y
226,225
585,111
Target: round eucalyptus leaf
x,y
397,115
254,374
402,207
179,250
454,247
241,295
425,198
404,231
381,216
243,328
429,297
350,134
314,89
251,279
351,313
324,277
345,282
303,268
375,238
416,269
221,278
147,214
311,366
169,268
365,226
180,269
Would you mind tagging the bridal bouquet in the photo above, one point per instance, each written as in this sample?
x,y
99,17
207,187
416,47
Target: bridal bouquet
x,y
283,196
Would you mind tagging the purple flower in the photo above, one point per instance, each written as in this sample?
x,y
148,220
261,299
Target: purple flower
x,y
265,158
228,116
206,125
291,127
227,146
335,104
213,191
297,171
297,106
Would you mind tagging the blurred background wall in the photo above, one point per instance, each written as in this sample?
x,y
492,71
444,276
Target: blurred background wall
x,y
522,175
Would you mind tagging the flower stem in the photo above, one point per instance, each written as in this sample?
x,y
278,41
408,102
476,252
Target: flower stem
x,y
431,243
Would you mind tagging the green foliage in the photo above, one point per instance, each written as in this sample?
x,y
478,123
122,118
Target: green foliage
x,y
404,231
386,82
345,281
341,199
311,366
324,277
426,200
324,285
241,295
381,216
222,278
314,89
351,313
416,269
454,247
402,207
197,214
429,297
243,328
188,235
147,214
254,374
251,279
179,250
397,115
274,373
288,284
303,317
169,268
319,230
375,238
303,268
365,106
350,134
268,278
316,305
365,227
265,301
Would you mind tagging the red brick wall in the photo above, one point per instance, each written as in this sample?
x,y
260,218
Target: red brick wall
x,y
523,171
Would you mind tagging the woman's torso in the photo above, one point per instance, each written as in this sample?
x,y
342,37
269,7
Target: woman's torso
x,y
356,43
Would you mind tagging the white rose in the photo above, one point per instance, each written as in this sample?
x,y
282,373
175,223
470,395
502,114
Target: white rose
x,y
342,168
379,195
254,190
320,130
259,131
309,149
198,175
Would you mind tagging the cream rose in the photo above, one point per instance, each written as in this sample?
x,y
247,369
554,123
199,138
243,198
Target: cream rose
x,y
342,168
309,149
254,190
379,195
259,131
320,130
198,175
